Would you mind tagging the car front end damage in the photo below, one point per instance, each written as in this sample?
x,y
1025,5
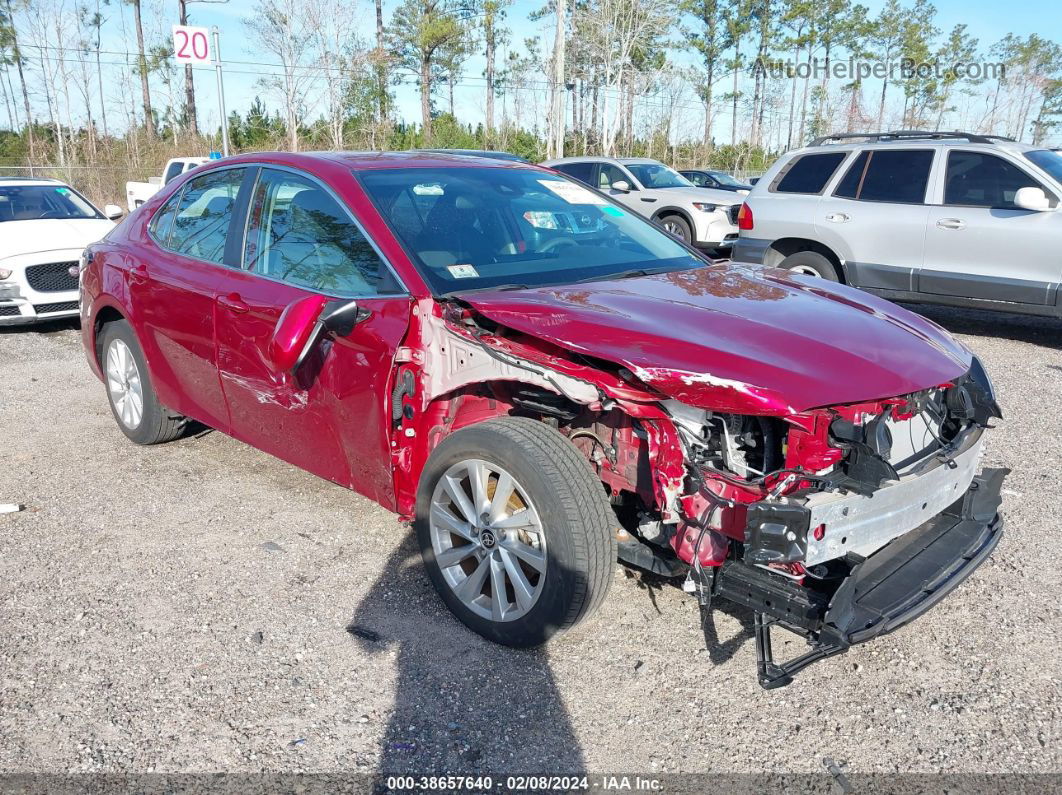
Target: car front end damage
x,y
839,521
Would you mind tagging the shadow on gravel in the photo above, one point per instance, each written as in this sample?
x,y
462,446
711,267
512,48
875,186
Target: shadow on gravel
x,y
45,327
463,705
1043,331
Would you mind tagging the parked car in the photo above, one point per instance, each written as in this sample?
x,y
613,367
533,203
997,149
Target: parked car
x,y
949,218
719,180
44,226
703,217
543,381
139,192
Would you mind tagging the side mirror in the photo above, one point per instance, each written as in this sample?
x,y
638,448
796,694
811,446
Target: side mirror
x,y
1030,198
113,212
303,323
622,186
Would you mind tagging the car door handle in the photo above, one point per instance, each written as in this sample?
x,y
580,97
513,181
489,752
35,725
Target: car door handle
x,y
951,223
138,274
838,218
233,303
647,199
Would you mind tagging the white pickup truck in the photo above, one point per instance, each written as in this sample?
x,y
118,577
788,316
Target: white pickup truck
x,y
136,193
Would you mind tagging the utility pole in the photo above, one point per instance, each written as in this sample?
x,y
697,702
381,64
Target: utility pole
x,y
189,84
557,113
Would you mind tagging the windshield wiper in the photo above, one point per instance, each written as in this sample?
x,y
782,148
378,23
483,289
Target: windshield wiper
x,y
632,273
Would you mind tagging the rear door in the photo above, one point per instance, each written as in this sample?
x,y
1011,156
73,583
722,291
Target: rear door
x,y
879,211
332,417
172,282
979,244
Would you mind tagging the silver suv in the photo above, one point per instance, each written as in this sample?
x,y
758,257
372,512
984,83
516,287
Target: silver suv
x,y
949,218
703,217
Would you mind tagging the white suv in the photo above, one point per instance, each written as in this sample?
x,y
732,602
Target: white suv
x,y
703,217
949,218
44,226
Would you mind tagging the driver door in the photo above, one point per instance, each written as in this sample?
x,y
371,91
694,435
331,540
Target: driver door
x,y
330,416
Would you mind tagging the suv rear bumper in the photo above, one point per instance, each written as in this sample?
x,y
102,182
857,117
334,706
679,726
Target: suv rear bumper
x,y
883,592
750,249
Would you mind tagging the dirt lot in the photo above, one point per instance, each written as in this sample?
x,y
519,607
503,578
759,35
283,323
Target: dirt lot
x,y
184,607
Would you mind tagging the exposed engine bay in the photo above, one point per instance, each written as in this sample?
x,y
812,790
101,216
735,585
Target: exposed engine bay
x,y
777,510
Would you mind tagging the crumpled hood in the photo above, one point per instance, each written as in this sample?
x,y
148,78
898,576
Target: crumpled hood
x,y
739,339
50,234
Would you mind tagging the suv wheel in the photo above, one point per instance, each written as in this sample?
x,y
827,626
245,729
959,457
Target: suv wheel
x,y
810,263
134,404
515,530
677,226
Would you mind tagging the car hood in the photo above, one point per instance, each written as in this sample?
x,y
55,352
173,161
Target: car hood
x,y
733,338
50,234
712,195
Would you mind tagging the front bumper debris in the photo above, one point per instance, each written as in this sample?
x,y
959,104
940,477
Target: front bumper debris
x,y
882,593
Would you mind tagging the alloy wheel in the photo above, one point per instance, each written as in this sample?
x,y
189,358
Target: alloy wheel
x,y
488,540
124,385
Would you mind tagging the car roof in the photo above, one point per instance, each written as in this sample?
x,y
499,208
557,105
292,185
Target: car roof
x,y
599,159
487,153
9,182
368,161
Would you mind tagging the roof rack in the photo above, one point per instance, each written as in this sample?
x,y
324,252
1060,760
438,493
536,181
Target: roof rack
x,y
899,135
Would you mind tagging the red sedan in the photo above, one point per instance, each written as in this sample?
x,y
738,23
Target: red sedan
x,y
544,382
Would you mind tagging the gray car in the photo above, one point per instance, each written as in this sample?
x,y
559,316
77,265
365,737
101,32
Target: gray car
x,y
950,218
700,216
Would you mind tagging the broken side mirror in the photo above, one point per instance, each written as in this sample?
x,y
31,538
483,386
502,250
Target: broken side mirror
x,y
303,323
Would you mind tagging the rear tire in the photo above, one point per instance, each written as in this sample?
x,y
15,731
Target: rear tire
x,y
132,397
549,544
810,263
676,225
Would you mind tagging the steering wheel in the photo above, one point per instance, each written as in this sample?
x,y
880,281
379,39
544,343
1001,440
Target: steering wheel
x,y
556,243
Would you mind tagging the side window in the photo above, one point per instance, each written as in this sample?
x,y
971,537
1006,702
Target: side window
x,y
852,181
809,173
161,223
298,233
899,176
584,172
975,179
609,175
174,170
201,223
698,179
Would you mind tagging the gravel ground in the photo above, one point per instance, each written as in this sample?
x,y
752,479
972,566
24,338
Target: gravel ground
x,y
183,608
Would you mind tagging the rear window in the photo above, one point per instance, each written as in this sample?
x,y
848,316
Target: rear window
x,y
888,175
809,173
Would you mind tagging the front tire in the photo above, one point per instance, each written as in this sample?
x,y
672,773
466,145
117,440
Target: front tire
x,y
676,225
133,401
515,530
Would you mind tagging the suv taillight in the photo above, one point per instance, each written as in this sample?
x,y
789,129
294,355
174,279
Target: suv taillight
x,y
744,219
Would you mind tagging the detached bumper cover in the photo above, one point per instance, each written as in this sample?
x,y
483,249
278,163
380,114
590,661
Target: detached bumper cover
x,y
912,573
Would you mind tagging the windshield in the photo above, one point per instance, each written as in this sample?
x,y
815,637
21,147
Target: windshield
x,y
30,202
725,179
469,228
657,175
1049,160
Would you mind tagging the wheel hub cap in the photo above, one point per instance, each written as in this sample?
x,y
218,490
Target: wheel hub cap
x,y
124,385
488,540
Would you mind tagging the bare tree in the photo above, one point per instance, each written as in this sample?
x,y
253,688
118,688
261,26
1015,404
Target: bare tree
x,y
334,23
284,28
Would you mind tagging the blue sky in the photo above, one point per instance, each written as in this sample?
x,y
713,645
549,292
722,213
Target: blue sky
x,y
987,20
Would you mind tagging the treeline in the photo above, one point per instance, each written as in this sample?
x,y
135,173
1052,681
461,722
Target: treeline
x,y
93,83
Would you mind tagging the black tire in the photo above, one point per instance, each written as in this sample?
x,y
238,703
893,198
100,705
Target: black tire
x,y
157,423
576,517
811,263
676,225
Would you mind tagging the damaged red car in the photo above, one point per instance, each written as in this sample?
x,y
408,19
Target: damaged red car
x,y
543,382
